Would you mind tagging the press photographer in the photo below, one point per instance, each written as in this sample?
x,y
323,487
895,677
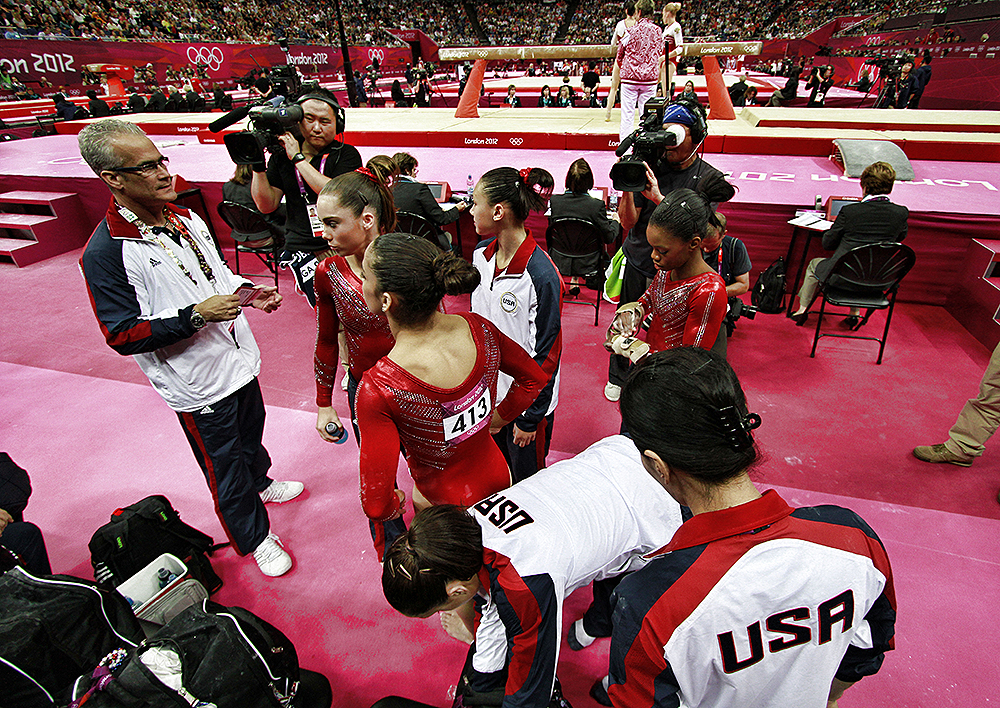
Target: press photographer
x,y
306,155
665,149
728,256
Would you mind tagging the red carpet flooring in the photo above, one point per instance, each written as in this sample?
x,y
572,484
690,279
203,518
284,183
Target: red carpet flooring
x,y
93,434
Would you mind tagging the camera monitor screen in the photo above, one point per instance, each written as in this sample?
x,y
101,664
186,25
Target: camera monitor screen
x,y
441,191
835,204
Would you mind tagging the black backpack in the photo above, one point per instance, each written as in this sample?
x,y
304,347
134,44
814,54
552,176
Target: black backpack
x,y
52,628
768,294
228,657
139,534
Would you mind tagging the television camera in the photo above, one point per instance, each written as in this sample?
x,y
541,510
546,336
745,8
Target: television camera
x,y
646,143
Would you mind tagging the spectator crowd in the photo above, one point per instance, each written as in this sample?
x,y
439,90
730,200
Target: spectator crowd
x,y
500,22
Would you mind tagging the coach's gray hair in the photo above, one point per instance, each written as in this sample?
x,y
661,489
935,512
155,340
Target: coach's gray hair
x,y
95,142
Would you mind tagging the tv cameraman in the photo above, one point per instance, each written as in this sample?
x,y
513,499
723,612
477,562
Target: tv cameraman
x,y
311,158
678,167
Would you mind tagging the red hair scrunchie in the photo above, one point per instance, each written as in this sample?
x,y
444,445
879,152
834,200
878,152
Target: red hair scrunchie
x,y
524,173
368,173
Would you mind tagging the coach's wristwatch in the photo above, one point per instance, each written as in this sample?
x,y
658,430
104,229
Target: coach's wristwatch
x,y
297,158
197,320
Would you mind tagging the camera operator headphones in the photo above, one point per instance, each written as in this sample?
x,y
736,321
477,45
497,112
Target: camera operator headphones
x,y
699,129
341,117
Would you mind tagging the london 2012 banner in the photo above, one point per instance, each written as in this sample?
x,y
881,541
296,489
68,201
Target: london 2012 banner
x,y
60,61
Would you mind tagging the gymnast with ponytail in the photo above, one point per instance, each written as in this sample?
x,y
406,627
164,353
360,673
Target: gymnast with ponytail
x,y
687,298
520,291
435,392
354,208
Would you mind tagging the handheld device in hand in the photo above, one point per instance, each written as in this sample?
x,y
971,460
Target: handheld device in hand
x,y
246,294
338,432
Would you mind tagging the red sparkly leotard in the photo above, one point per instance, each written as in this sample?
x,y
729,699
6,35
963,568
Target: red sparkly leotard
x,y
445,432
339,301
686,313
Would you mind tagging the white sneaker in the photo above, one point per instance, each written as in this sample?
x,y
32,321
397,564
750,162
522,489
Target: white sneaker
x,y
343,382
279,492
578,638
272,558
612,392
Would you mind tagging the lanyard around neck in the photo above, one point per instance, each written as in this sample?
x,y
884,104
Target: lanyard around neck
x,y
153,233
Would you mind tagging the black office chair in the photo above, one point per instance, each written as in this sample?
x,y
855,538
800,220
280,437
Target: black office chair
x,y
576,246
409,223
252,226
866,277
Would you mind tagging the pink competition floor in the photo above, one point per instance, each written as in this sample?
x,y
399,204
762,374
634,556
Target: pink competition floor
x,y
837,429
953,187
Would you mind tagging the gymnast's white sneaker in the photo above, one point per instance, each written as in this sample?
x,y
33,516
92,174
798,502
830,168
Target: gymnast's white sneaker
x,y
272,558
612,392
279,492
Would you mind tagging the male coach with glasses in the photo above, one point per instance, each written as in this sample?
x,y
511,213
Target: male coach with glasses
x,y
163,294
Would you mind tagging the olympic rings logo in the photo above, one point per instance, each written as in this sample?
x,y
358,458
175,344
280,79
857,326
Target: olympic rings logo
x,y
210,57
376,54
516,141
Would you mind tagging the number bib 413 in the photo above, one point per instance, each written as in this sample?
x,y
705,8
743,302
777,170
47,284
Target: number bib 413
x,y
467,416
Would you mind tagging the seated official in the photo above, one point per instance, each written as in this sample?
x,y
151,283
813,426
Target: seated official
x,y
415,197
577,203
512,99
752,602
514,558
98,108
237,190
872,220
564,99
728,256
545,99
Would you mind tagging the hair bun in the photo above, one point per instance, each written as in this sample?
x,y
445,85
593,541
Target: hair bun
x,y
454,275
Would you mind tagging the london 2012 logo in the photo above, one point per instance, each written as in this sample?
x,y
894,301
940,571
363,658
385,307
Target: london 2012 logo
x,y
206,56
516,141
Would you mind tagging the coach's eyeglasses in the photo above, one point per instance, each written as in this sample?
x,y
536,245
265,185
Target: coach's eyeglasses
x,y
145,169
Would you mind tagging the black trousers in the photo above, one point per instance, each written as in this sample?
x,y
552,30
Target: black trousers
x,y
226,439
634,284
525,461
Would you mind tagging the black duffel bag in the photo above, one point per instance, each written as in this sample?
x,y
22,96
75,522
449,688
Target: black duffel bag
x,y
225,656
52,629
138,534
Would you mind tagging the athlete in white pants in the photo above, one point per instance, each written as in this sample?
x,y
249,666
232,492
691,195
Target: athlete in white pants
x,y
634,96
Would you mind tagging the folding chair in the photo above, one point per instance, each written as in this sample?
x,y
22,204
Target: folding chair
x,y
866,277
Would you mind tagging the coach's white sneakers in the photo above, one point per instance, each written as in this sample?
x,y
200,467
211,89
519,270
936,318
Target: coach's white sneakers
x,y
279,492
272,558
612,392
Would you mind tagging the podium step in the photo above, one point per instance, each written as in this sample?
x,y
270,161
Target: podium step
x,y
35,225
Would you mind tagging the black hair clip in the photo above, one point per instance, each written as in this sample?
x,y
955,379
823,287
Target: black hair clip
x,y
737,427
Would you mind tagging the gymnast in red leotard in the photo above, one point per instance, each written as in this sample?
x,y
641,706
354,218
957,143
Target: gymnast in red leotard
x,y
436,389
687,298
354,208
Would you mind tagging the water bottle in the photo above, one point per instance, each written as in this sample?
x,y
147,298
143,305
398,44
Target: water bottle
x,y
163,577
338,432
469,187
819,202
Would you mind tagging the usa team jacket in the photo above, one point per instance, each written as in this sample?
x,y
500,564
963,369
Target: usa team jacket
x,y
143,302
757,605
524,302
589,517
